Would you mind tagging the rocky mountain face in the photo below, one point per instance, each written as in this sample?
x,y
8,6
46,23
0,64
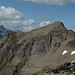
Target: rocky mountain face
x,y
4,31
38,52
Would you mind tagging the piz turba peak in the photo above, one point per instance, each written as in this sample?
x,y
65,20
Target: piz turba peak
x,y
49,50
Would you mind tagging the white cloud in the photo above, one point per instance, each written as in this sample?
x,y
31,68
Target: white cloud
x,y
57,2
2,7
44,23
28,28
17,24
10,14
29,22
13,19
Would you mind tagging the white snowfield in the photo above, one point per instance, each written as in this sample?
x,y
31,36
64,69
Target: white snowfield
x,y
65,51
73,52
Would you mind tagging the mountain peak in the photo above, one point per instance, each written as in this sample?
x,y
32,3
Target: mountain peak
x,y
38,52
1,26
59,23
4,31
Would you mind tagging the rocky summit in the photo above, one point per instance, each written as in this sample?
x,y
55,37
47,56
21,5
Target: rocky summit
x,y
49,50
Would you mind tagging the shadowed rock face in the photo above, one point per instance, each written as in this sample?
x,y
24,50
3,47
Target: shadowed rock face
x,y
36,52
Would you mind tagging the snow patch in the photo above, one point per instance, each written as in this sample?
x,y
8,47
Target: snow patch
x,y
64,52
73,52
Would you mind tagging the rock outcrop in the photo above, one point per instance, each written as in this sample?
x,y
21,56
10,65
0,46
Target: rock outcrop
x,y
37,52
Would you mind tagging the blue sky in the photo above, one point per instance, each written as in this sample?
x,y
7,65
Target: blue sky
x,y
26,15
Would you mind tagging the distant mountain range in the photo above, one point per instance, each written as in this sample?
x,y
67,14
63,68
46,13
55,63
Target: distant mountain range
x,y
4,31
